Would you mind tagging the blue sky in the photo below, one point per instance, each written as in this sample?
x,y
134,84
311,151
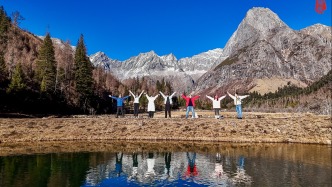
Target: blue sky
x,y
125,28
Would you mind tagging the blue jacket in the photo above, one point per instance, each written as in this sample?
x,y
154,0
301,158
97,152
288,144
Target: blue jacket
x,y
119,100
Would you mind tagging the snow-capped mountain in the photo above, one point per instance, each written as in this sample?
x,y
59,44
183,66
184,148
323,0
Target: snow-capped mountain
x,y
181,72
100,59
149,63
197,65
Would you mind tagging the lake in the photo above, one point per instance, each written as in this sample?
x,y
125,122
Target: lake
x,y
90,164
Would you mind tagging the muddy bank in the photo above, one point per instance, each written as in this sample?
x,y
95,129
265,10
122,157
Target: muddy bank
x,y
255,127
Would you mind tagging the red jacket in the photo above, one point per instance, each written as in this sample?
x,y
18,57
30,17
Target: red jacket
x,y
191,171
192,99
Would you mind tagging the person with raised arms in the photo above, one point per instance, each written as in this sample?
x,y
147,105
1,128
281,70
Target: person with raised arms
x,y
216,105
190,104
136,102
151,105
168,102
119,104
237,102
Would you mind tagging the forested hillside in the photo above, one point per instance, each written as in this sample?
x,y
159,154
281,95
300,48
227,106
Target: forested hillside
x,y
42,77
316,98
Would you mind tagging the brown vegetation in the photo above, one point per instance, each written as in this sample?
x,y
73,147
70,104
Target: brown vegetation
x,y
255,127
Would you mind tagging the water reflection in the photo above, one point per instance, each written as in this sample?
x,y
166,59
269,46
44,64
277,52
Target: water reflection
x,y
146,165
240,175
168,158
191,168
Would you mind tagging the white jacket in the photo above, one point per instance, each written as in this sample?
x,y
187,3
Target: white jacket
x,y
165,97
237,99
151,105
136,99
150,170
216,103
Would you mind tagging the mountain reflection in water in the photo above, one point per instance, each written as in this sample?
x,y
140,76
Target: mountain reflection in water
x,y
167,164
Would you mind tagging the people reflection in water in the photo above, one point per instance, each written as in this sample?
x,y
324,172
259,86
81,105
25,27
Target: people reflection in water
x,y
118,163
241,176
135,165
191,169
150,161
168,158
219,172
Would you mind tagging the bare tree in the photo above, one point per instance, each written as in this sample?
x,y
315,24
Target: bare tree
x,y
17,18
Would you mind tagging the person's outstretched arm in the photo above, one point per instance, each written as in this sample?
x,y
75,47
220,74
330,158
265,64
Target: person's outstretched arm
x,y
209,97
162,94
196,97
221,98
244,96
132,93
112,97
126,97
183,96
172,94
155,97
141,94
230,95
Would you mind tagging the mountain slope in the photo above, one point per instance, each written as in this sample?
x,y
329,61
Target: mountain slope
x,y
263,47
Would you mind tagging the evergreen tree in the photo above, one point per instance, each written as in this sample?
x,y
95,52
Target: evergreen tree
x,y
4,27
17,82
46,66
3,69
83,73
4,24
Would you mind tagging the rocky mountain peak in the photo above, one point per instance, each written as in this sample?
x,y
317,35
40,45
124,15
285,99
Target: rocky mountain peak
x,y
212,54
169,57
98,56
170,60
257,25
148,54
318,30
100,59
263,19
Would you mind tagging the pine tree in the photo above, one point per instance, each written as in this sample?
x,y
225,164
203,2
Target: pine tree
x,y
46,66
83,72
3,69
4,27
17,82
4,23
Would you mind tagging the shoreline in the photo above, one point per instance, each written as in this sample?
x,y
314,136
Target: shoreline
x,y
291,151
254,128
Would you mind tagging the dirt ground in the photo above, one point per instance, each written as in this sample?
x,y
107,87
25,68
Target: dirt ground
x,y
254,127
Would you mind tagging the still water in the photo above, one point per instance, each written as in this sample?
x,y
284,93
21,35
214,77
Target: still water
x,y
165,164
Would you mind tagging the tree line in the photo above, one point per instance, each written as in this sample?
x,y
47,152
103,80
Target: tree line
x,y
289,95
61,81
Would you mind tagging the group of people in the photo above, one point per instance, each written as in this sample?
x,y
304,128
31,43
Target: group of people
x,y
190,103
151,106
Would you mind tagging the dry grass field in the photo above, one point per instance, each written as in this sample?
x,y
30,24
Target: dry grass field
x,y
254,127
